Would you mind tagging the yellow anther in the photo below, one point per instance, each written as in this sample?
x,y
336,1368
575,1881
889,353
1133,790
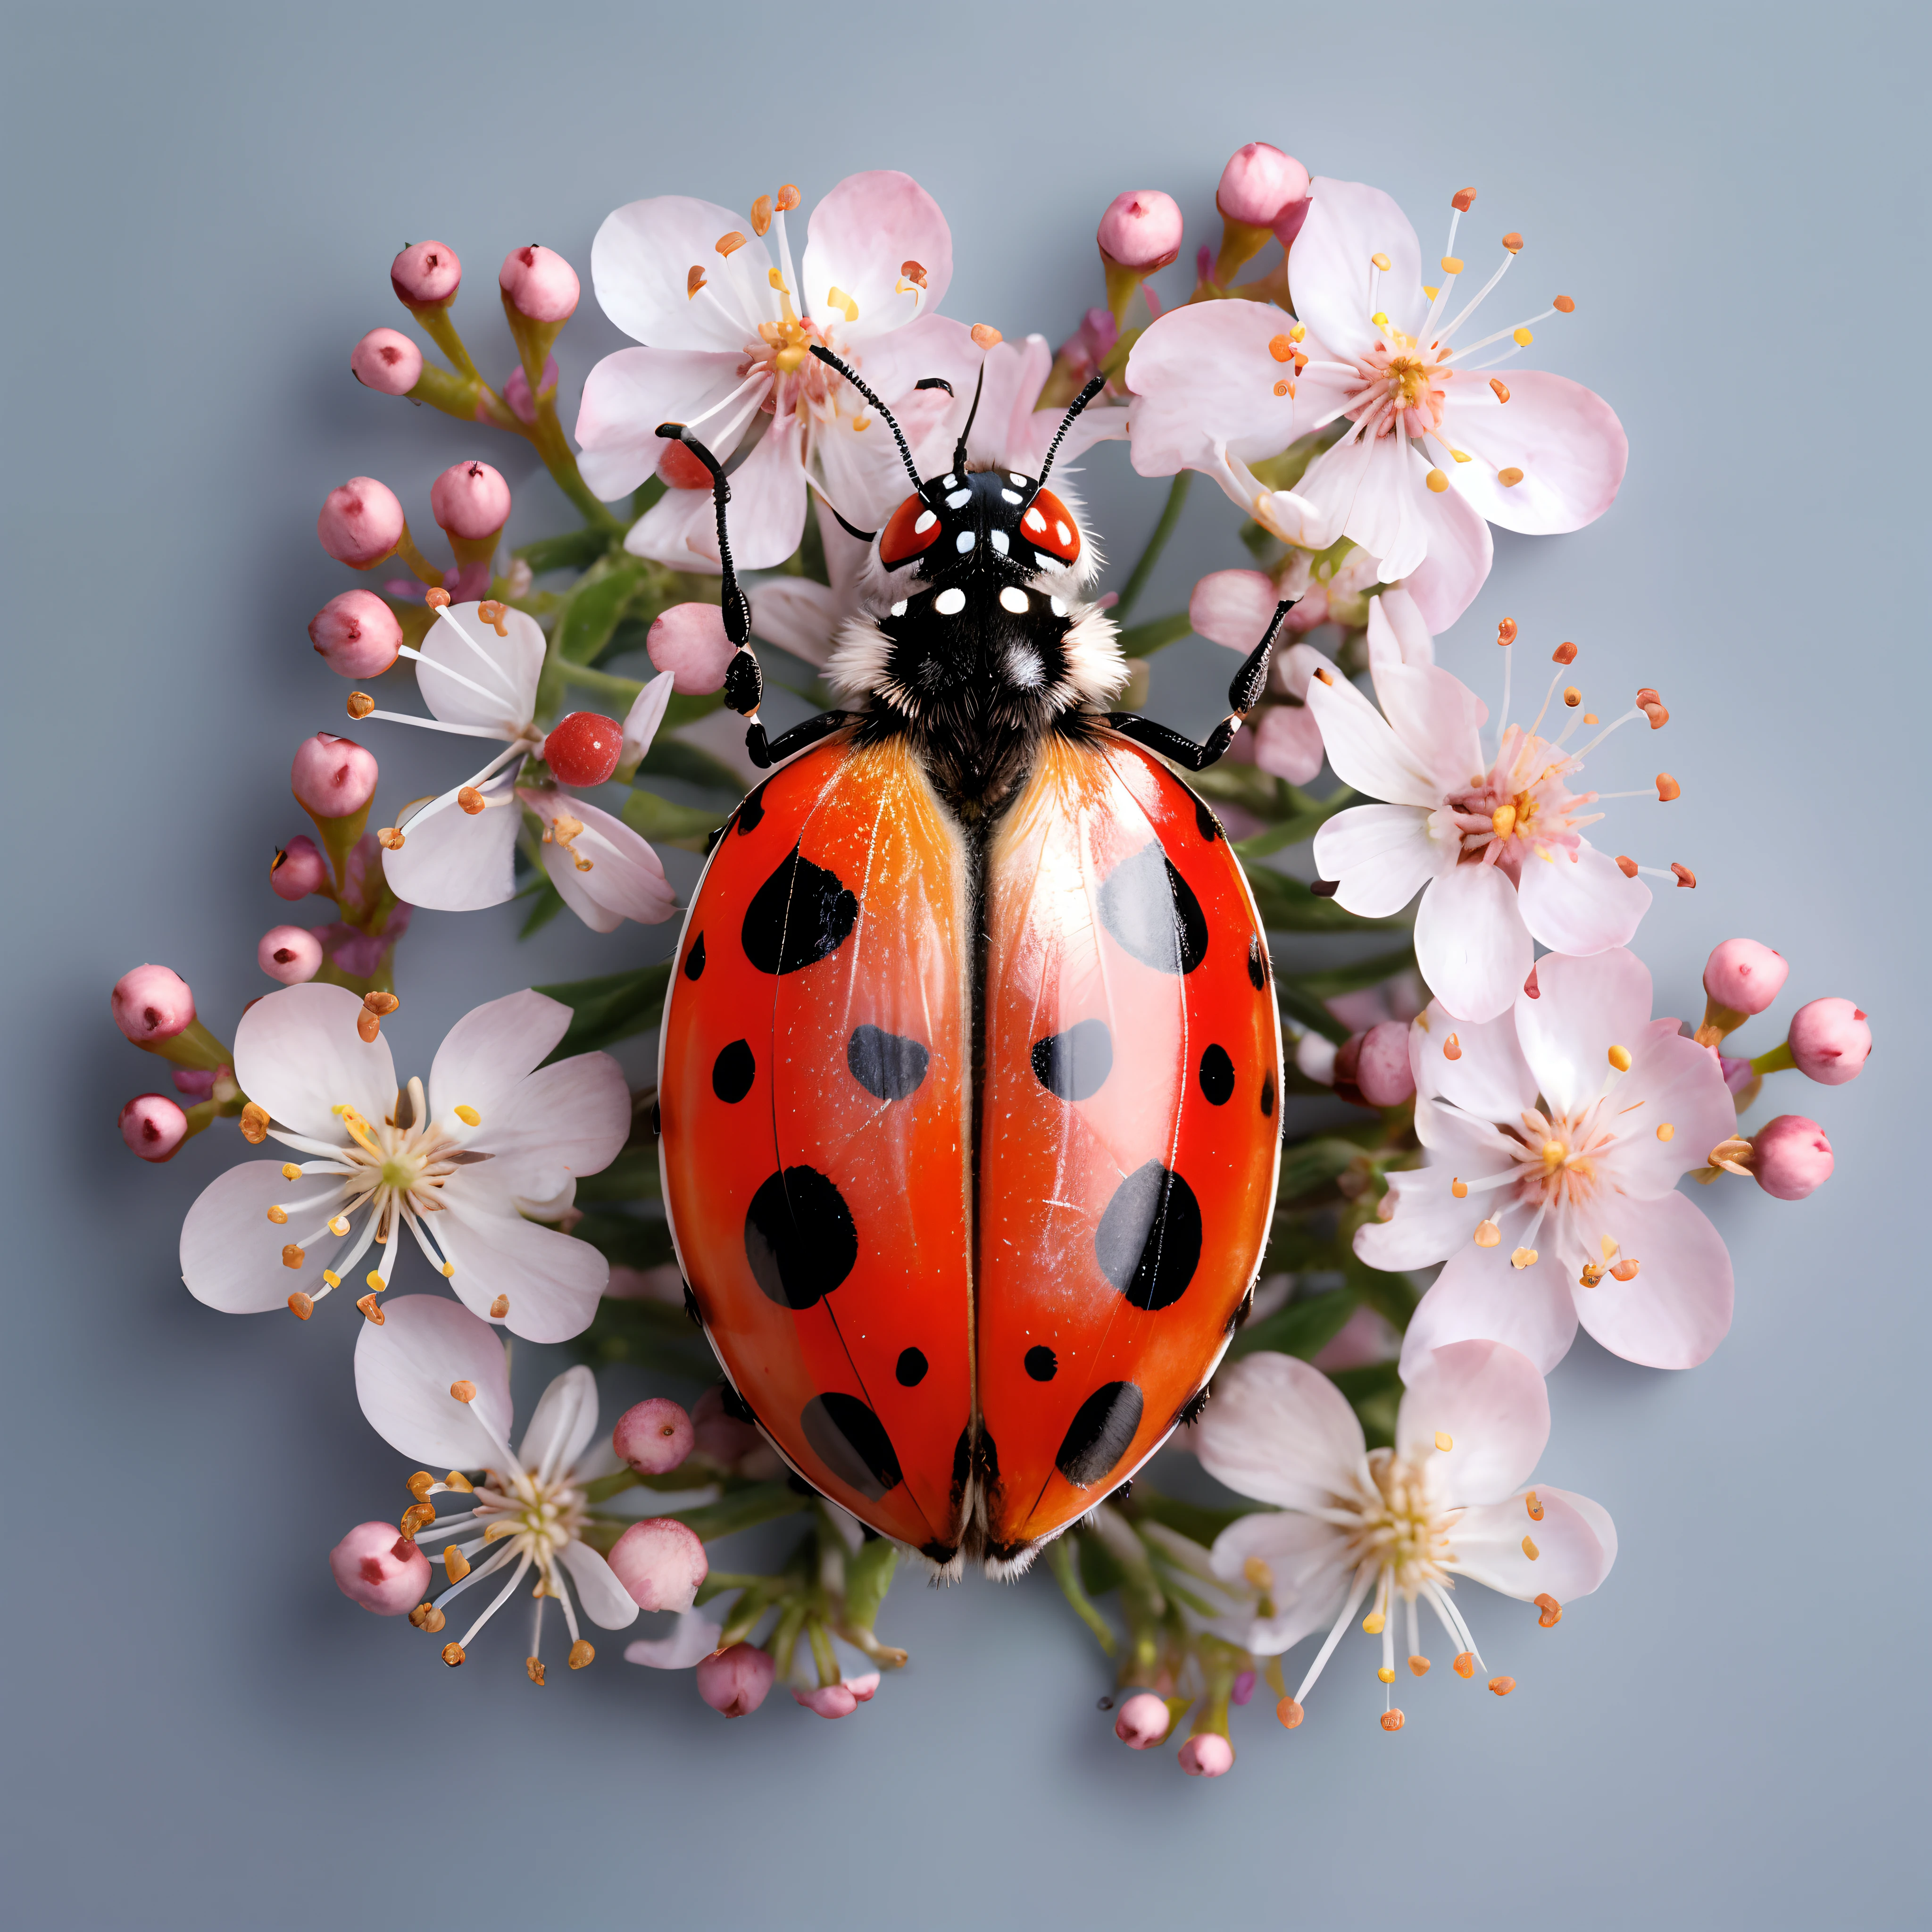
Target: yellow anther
x,y
420,1484
1530,1550
1502,820
1608,1247
374,1280
497,1530
1372,1624
1431,293
534,1667
1444,1441
1418,1667
1460,455
464,1390
1299,333
452,1654
455,1564
1458,1187
469,1116
448,1270
1591,1275
292,1255
1452,265
330,1276
278,1215
1487,1234
1524,1258
360,704
1553,1152
1387,1675
1380,261
1379,319
1666,1131
339,1226
1257,1574
1437,480
839,299
254,1124
290,1172
457,1480
1533,1505
1510,477
1523,338
581,1653
1620,1058
729,244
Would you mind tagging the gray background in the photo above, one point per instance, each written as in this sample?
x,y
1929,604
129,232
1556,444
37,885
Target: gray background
x,y
200,1731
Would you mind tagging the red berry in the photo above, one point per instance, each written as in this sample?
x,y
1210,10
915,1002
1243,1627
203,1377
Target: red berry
x,y
583,749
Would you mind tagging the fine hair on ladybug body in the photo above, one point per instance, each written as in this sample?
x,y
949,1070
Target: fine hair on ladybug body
x,y
891,874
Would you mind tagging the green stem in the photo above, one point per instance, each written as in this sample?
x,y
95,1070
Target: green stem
x,y
1776,1060
1177,500
1155,634
1060,1561
548,437
592,679
436,323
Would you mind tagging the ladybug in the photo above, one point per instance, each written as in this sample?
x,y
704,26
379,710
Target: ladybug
x,y
970,1066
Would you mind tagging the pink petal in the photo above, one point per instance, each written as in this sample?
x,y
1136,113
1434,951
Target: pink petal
x,y
1307,1562
1330,268
1566,440
1397,635
297,1053
1471,943
1363,747
1381,855
1429,1224
627,395
641,721
1376,488
1490,1079
1575,1543
488,1054
1234,607
680,529
403,1372
1674,1081
1584,1008
642,258
694,1637
231,1252
552,1281
1445,584
1677,1308
599,1594
1435,716
1278,1430
501,672
1490,1401
798,616
1203,379
1480,1296
457,861
562,1424
1580,905
626,879
1288,743
858,239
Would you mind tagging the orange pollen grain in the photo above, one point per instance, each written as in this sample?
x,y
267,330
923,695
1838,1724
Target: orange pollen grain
x,y
1685,876
1458,1187
1627,865
1282,348
463,1390
1452,1048
1563,305
1418,1667
1462,200
1465,1665
1506,632
787,198
1533,1506
1290,1713
1392,1720
986,336
1667,788
1552,1611
1513,241
1502,1686
1501,389
1564,653
761,214
1510,477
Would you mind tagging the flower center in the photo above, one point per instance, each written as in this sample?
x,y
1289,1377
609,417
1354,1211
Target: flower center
x,y
1405,1531
1400,381
1522,808
537,1519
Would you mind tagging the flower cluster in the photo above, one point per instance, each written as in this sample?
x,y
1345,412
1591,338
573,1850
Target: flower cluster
x,y
1490,1096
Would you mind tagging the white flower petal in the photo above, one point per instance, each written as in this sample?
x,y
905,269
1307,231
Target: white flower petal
x,y
1574,1540
298,1054
1363,746
1380,857
604,1599
1445,584
640,264
562,1424
503,669
680,529
562,1121
1331,270
1581,904
625,879
457,861
1436,715
798,616
1490,1078
552,1281
1673,1081
1308,1569
1488,1400
1397,632
486,1056
1677,1309
646,714
1281,1432
1471,943
1583,1007
1480,1296
858,239
405,1369
1566,440
628,395
231,1252
693,1638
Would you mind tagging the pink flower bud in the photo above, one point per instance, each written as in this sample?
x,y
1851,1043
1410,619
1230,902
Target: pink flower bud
x,y
1790,1157
289,954
689,640
427,274
736,1681
516,394
151,1004
1143,1721
829,1700
197,1083
153,1126
1210,1755
1141,230
386,359
332,777
361,523
1372,1068
662,1563
1259,184
1315,1057
379,1569
298,869
539,283
1288,224
1244,1686
1738,1074
356,634
470,500
722,1437
1829,1041
655,1436
1743,976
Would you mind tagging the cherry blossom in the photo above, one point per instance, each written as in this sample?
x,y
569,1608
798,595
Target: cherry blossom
x,y
728,331
497,1136
1495,845
1554,1138
433,1381
477,672
1394,1527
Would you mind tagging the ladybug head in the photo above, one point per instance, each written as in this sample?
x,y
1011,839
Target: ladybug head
x,y
976,519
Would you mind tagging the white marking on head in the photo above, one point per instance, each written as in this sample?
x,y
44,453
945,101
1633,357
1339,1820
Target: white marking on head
x,y
1010,495
1018,481
927,519
1024,667
1059,607
899,608
998,541
949,603
1033,520
1014,599
966,541
1065,535
959,498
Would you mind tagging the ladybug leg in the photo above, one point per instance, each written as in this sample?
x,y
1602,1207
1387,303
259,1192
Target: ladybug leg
x,y
787,744
1243,694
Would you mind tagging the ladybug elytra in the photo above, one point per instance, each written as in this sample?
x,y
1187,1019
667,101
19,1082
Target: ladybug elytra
x,y
970,1068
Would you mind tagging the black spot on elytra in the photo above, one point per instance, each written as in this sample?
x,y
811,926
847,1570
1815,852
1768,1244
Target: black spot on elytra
x,y
1210,827
1042,1364
1152,912
751,809
693,960
800,915
889,1066
1148,1243
1074,1064
1258,964
1098,1436
1268,1095
798,1237
733,1072
911,1370
1217,1077
734,1405
845,1435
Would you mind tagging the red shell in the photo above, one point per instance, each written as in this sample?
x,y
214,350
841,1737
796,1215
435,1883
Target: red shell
x,y
914,527
816,1085
1048,526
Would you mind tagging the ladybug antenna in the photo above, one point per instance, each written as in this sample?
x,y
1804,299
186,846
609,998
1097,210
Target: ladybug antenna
x,y
959,452
737,608
845,369
1079,403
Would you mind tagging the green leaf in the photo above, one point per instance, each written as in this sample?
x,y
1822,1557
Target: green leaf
x,y
1247,785
672,758
1293,831
1287,905
1392,1297
688,709
1302,1328
632,1176
1334,981
868,1576
591,612
743,1509
1142,640
611,1008
1307,1168
1308,1012
575,550
628,1240
1099,1571
689,826
651,1335
1284,471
